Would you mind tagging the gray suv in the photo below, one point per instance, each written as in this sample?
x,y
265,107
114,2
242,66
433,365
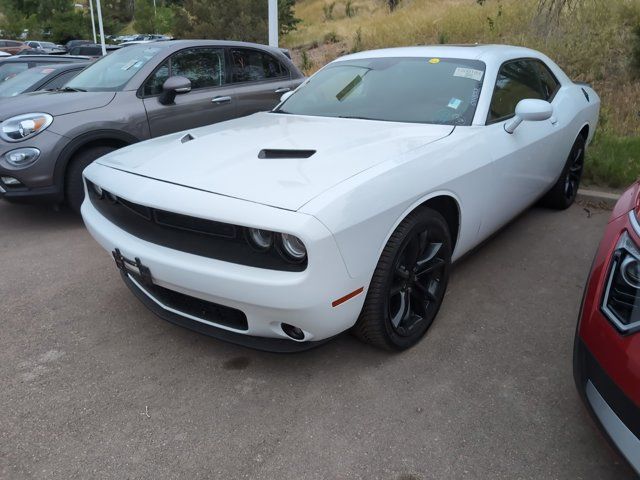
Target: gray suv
x,y
139,92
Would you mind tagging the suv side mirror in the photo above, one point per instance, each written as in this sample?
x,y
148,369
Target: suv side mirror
x,y
532,110
173,86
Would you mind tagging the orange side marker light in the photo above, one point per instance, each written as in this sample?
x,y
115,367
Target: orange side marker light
x,y
348,296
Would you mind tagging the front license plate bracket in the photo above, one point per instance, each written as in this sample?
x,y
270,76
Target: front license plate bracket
x,y
133,266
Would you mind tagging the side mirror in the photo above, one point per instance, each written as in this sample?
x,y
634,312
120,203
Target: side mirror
x,y
173,86
532,110
286,95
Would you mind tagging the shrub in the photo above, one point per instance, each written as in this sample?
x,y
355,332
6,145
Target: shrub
x,y
327,9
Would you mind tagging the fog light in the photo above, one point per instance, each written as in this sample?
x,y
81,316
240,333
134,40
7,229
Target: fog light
x,y
22,157
293,332
10,181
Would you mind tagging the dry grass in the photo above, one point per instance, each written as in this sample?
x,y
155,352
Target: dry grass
x,y
592,43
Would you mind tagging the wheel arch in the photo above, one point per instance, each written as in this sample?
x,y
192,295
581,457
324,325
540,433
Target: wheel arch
x,y
115,138
444,202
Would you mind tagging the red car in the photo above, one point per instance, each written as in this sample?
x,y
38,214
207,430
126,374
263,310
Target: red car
x,y
607,346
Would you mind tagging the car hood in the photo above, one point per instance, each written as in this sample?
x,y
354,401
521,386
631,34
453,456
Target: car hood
x,y
53,103
225,158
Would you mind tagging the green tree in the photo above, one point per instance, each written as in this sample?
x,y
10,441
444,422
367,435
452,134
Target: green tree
x,y
68,25
148,20
231,19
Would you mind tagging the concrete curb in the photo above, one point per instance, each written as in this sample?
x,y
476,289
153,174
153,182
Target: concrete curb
x,y
598,198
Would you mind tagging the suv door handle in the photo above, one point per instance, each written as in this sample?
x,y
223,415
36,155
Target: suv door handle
x,y
221,100
283,90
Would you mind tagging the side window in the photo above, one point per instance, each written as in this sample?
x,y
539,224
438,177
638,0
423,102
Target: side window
x,y
516,81
548,81
203,66
254,65
60,80
153,85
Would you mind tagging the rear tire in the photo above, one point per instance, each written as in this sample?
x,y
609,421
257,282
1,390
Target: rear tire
x,y
409,282
564,192
74,186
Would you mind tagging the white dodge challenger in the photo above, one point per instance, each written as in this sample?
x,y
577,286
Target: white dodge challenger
x,y
344,207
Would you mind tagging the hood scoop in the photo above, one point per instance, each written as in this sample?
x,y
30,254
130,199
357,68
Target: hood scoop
x,y
187,138
282,153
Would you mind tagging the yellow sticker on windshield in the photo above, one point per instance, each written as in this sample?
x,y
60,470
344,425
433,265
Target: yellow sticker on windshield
x,y
434,60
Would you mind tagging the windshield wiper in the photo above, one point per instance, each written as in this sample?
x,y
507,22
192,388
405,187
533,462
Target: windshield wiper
x,y
284,112
70,89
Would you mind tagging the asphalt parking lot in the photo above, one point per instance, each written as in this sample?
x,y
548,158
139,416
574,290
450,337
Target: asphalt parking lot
x,y
95,386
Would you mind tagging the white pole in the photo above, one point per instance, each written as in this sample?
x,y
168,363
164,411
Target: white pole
x,y
93,22
273,23
104,48
155,18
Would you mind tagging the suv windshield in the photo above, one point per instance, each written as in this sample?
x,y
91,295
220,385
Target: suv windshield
x,y
113,72
409,89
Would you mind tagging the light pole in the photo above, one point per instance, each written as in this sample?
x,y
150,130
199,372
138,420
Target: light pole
x,y
104,48
93,22
273,23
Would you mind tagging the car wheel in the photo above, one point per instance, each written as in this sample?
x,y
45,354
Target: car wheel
x,y
74,188
408,284
564,192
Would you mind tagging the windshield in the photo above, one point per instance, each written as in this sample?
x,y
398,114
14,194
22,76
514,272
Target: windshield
x,y
18,84
416,90
10,70
113,72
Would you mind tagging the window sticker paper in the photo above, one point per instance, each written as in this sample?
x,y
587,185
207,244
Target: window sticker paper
x,y
454,103
470,73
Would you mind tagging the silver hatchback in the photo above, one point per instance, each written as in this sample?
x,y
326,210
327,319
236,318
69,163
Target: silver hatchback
x,y
133,94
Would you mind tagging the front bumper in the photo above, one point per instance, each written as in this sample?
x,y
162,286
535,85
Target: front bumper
x,y
268,298
616,415
38,182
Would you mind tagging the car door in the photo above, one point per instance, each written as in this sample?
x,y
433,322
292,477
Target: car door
x,y
260,79
521,160
211,99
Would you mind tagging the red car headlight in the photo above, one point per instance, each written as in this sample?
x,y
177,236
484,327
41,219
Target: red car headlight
x,y
621,302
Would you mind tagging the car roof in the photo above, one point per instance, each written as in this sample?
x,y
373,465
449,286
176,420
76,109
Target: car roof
x,y
46,58
487,53
174,45
64,66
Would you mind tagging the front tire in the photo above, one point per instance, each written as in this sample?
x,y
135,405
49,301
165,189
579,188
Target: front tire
x,y
565,190
74,187
409,283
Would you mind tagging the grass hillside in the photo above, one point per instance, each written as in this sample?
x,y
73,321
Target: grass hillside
x,y
594,42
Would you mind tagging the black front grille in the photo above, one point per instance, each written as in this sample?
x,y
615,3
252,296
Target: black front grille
x,y
207,238
196,307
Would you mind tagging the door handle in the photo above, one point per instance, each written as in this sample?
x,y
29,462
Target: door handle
x,y
283,90
220,100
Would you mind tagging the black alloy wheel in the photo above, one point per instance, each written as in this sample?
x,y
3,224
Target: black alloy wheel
x,y
564,191
409,283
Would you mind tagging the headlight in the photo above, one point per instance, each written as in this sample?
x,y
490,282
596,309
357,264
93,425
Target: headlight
x,y
22,157
293,248
260,239
16,129
621,302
